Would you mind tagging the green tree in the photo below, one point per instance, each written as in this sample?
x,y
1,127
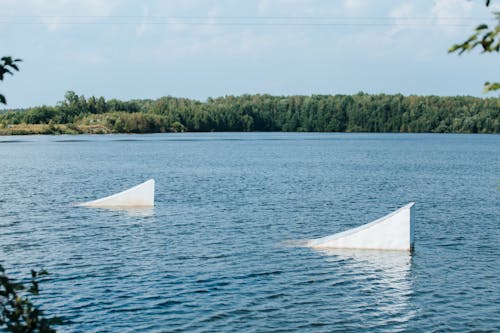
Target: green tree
x,y
7,65
485,37
17,313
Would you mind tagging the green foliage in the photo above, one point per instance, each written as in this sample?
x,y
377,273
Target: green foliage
x,y
316,113
486,38
7,65
17,313
491,86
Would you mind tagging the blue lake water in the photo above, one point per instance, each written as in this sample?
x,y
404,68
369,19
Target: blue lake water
x,y
216,253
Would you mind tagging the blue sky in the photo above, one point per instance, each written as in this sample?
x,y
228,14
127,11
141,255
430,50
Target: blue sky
x,y
130,49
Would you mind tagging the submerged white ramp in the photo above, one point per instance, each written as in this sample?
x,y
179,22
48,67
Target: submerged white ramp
x,y
391,232
142,195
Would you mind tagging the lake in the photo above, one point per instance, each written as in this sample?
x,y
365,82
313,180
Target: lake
x,y
217,253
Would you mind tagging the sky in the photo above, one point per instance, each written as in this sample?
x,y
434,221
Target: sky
x,y
131,49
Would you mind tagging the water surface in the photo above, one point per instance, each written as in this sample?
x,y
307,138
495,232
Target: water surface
x,y
215,255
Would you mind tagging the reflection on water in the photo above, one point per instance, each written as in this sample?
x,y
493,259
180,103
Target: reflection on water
x,y
387,271
133,212
129,211
390,262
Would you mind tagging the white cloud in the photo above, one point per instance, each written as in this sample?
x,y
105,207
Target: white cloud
x,y
72,7
143,27
448,13
404,10
402,16
224,44
301,8
444,9
356,6
449,17
495,6
55,14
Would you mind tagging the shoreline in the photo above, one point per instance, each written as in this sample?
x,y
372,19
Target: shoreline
x,y
72,129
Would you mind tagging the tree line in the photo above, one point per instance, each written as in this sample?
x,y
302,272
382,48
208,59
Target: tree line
x,y
317,113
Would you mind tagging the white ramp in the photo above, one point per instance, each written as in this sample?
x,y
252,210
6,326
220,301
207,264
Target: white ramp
x,y
391,232
142,195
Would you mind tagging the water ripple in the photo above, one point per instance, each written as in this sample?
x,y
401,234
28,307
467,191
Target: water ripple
x,y
212,255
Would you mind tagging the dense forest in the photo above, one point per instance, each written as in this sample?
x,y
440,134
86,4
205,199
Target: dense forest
x,y
317,113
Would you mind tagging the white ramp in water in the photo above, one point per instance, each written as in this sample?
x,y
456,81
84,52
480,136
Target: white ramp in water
x,y
391,232
142,195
